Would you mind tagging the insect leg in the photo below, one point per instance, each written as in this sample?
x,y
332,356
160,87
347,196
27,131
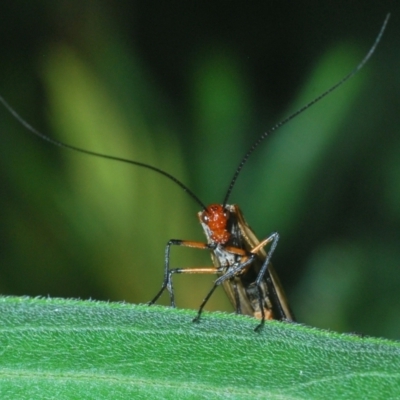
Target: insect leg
x,y
167,274
274,239
235,270
237,297
231,273
167,281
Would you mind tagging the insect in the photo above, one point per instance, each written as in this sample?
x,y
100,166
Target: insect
x,y
240,261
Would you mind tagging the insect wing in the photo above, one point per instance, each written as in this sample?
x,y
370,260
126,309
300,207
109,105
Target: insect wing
x,y
275,299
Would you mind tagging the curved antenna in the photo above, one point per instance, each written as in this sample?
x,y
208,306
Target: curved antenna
x,y
299,111
31,129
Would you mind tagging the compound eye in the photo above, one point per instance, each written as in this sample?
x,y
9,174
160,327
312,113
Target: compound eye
x,y
227,214
205,218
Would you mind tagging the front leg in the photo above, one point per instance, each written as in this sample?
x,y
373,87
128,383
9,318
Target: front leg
x,y
167,281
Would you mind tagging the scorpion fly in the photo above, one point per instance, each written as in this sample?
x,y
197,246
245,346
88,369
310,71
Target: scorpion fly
x,y
240,260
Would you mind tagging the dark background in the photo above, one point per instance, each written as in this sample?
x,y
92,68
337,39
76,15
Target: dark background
x,y
187,87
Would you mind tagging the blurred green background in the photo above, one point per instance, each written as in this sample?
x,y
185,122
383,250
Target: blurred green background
x,y
187,87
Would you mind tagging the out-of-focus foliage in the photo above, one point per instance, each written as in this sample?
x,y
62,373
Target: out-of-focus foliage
x,y
188,89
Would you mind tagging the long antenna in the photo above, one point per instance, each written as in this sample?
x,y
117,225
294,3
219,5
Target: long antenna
x,y
295,114
93,153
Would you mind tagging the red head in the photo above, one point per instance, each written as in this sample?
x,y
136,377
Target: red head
x,y
214,220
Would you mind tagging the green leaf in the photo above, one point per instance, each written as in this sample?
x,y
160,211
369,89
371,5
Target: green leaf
x,y
69,349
